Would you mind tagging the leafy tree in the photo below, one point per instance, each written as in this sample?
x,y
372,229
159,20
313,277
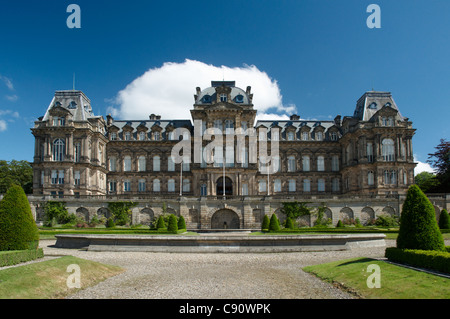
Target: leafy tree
x,y
418,225
444,220
274,224
173,224
56,212
295,209
16,173
121,211
440,160
427,181
18,230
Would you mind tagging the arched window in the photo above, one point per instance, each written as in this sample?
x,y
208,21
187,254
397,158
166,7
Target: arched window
x,y
59,150
292,185
320,163
306,185
306,163
156,163
387,150
112,164
291,163
141,136
335,185
171,185
156,185
277,185
127,163
170,164
142,164
335,163
321,185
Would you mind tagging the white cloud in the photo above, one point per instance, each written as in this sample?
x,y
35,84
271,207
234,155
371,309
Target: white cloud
x,y
169,90
7,82
12,98
3,125
422,167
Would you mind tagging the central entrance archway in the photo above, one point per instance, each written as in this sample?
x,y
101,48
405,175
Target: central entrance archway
x,y
228,186
225,219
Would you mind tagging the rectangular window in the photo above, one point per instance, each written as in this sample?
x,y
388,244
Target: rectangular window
x,y
335,185
61,177
262,185
113,136
292,185
306,163
112,186
170,164
290,136
369,152
244,189
141,185
126,186
335,163
277,186
171,185
77,152
112,164
77,178
320,163
321,185
291,164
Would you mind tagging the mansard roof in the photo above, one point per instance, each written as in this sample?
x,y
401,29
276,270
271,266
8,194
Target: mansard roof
x,y
371,102
75,102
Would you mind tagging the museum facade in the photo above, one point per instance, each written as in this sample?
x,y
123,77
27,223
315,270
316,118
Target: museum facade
x,y
222,168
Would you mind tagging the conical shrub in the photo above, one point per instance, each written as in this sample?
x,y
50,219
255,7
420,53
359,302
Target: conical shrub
x,y
173,223
289,223
18,230
274,223
160,223
444,220
418,225
265,223
181,223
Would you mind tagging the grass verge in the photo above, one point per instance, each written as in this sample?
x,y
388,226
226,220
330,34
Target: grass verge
x,y
48,279
396,282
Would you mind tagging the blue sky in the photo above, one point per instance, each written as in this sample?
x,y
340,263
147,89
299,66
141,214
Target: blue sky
x,y
321,54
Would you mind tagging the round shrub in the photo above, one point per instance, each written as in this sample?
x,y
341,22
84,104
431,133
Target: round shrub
x,y
265,223
418,225
444,220
173,224
274,224
18,230
110,223
181,223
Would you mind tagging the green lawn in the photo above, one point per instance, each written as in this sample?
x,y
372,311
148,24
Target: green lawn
x,y
396,282
48,279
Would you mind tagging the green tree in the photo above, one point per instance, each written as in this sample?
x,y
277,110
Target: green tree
x,y
440,160
427,181
18,230
16,173
265,223
274,224
181,223
295,209
121,211
418,225
173,224
444,220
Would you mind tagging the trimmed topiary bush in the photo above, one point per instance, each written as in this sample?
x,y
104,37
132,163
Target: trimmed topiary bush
x,y
18,230
160,223
418,225
110,223
444,220
340,223
173,223
265,223
289,223
274,224
181,223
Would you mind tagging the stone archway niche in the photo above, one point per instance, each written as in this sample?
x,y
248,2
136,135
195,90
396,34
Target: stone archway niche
x,y
225,219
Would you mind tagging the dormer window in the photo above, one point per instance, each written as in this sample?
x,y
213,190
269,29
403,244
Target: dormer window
x,y
239,99
373,106
223,97
59,121
72,105
388,104
207,99
127,136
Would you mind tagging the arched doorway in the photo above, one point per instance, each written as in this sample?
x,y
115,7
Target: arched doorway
x,y
228,186
225,219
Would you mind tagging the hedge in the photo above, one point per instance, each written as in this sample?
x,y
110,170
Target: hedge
x,y
429,259
13,257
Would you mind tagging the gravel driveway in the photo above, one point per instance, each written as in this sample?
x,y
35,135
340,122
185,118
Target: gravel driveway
x,y
213,275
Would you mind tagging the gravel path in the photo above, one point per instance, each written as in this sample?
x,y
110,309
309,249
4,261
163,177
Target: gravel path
x,y
213,276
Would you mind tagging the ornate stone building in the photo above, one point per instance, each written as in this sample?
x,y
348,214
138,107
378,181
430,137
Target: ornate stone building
x,y
357,166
